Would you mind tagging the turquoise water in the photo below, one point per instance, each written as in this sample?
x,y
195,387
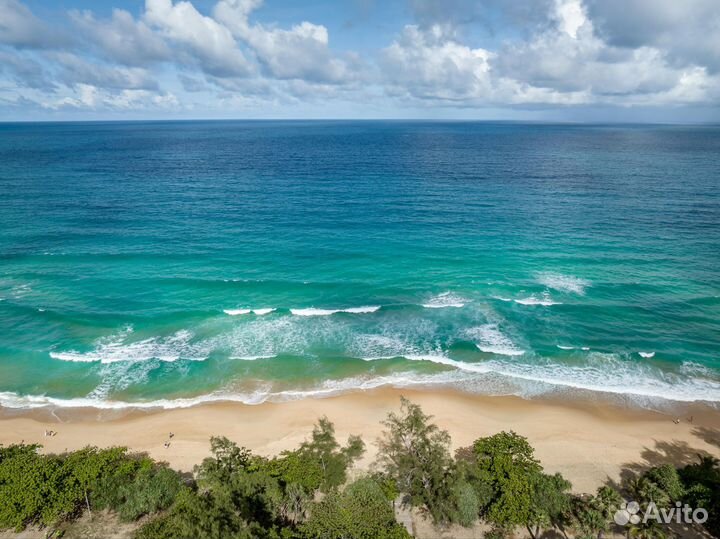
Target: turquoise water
x,y
496,258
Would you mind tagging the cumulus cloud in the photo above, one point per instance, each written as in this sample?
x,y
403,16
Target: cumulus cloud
x,y
444,53
301,52
122,38
21,28
206,40
72,69
571,57
688,30
431,64
25,71
87,96
564,61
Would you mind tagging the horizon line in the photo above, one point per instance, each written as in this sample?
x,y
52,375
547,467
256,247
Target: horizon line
x,y
350,119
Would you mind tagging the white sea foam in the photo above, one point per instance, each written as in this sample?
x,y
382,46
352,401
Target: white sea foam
x,y
563,283
254,358
119,376
647,355
491,340
544,301
117,348
693,369
325,389
236,312
264,337
603,373
446,299
259,312
607,373
361,310
311,311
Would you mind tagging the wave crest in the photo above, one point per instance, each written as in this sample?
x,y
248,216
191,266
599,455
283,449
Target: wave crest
x,y
312,311
444,300
564,283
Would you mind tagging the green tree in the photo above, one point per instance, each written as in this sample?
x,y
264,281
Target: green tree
x,y
46,489
319,463
31,488
415,454
550,502
666,477
593,515
661,485
361,511
200,516
701,481
506,464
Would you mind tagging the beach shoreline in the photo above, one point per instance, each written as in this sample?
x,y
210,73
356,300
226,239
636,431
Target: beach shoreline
x,y
590,442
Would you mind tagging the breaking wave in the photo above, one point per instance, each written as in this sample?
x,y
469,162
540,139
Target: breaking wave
x,y
602,373
563,283
116,348
446,299
311,311
488,338
259,312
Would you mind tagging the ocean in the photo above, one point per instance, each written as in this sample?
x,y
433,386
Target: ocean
x,y
163,264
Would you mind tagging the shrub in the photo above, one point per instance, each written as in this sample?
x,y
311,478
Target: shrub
x,y
362,511
467,503
31,488
150,492
46,489
593,515
667,479
319,463
702,484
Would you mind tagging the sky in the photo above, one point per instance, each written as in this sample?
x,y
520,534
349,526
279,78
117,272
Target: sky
x,y
537,60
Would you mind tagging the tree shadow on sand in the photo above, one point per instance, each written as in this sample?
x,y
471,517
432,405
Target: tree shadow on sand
x,y
708,435
678,454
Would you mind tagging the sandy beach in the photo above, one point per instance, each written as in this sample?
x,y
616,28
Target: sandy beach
x,y
590,443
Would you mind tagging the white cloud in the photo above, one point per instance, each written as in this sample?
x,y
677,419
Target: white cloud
x,y
21,28
688,31
24,70
208,41
430,64
572,58
550,53
562,63
301,52
72,69
122,38
89,97
570,15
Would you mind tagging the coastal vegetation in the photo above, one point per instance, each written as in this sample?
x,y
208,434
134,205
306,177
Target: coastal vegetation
x,y
315,492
